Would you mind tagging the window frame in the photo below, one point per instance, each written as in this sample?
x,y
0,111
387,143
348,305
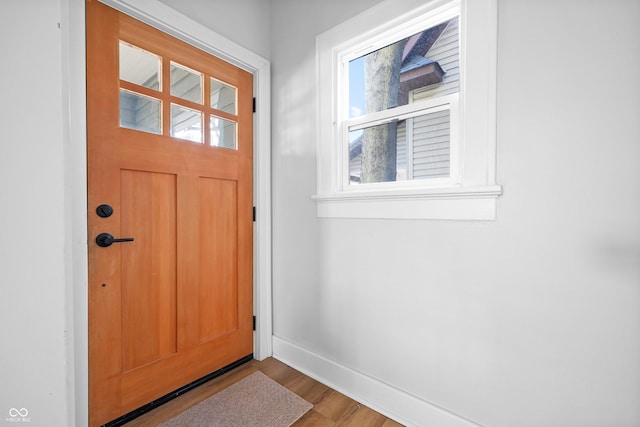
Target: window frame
x,y
470,193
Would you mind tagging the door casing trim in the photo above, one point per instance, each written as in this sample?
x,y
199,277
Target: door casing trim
x,y
158,15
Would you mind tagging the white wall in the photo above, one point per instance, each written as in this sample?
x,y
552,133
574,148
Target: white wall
x,y
35,335
531,320
246,22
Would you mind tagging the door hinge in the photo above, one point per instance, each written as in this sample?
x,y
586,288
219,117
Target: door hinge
x,y
254,104
254,323
254,214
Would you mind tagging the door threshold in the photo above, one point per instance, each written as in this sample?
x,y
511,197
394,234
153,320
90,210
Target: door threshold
x,y
170,396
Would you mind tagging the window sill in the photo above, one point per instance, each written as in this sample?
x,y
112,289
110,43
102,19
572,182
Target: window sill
x,y
460,203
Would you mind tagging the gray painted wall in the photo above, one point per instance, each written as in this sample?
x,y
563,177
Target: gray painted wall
x,y
246,22
532,320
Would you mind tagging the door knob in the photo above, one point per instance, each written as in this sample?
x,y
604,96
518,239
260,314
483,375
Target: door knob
x,y
105,239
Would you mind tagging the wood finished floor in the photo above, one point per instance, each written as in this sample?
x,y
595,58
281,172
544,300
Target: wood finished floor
x,y
330,407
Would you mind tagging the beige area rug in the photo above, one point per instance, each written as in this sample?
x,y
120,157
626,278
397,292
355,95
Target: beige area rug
x,y
256,400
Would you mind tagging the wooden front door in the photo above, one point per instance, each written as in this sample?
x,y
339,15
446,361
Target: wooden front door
x,y
170,166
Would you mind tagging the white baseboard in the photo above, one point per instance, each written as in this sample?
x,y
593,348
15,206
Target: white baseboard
x,y
396,404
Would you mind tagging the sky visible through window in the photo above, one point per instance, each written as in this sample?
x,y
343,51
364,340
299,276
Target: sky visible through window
x,y
356,92
356,87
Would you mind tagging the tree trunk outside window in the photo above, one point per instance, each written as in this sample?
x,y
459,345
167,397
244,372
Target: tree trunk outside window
x,y
382,84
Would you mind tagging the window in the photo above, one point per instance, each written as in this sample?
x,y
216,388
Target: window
x,y
144,96
406,124
402,100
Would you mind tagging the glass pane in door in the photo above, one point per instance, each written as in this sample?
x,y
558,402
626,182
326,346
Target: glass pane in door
x,y
223,97
139,66
186,123
223,133
140,112
186,83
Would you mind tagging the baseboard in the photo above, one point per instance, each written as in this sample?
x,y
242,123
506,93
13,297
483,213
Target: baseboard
x,y
394,403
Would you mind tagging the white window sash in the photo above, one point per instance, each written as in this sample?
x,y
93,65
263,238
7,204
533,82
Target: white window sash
x,y
405,112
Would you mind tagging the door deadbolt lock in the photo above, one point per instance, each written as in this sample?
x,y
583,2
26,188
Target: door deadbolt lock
x,y
104,211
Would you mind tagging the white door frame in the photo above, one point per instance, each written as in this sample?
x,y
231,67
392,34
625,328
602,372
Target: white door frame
x,y
168,20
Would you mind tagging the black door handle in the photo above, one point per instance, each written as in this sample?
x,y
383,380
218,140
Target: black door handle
x,y
105,239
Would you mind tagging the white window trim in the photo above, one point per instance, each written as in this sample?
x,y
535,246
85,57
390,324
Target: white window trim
x,y
471,192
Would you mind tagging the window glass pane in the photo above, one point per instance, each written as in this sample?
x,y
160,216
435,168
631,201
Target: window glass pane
x,y
223,97
427,61
430,146
140,112
223,133
416,148
139,66
185,83
186,123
